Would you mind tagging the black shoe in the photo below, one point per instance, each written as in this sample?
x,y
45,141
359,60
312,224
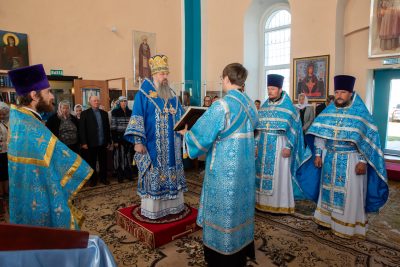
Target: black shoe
x,y
93,183
105,182
120,180
323,228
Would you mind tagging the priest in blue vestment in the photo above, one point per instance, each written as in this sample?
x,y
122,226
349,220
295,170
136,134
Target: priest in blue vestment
x,y
280,151
44,173
225,133
345,175
158,149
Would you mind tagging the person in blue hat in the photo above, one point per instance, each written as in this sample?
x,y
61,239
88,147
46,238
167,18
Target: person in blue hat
x,y
280,150
345,174
44,174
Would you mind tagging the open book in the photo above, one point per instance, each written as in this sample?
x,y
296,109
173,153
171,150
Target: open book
x,y
190,117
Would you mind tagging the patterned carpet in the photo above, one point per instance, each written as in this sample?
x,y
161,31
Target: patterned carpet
x,y
280,240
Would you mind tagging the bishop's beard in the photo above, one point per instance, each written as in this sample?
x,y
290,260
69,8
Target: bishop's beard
x,y
164,91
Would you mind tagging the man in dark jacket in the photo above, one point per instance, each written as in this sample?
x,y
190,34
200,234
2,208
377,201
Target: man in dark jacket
x,y
94,129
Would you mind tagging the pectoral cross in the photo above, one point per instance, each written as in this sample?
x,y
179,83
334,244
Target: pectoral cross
x,y
268,124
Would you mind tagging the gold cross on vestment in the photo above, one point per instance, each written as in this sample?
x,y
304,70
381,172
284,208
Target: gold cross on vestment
x,y
336,131
59,210
340,179
34,205
36,171
40,140
268,124
65,153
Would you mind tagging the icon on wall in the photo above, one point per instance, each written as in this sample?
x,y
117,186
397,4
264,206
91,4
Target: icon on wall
x,y
384,29
13,50
311,77
144,47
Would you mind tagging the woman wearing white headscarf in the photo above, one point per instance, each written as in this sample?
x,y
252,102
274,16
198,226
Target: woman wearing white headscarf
x,y
306,111
78,110
4,115
65,126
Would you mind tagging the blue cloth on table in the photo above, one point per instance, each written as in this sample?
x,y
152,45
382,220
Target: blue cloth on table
x,y
95,255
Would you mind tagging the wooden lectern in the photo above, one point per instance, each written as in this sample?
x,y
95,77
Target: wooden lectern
x,y
26,237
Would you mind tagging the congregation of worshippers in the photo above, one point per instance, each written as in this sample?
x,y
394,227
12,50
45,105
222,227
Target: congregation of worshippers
x,y
253,153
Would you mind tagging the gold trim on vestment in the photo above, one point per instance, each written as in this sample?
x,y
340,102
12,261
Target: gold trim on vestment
x,y
39,162
289,210
352,225
346,236
75,213
68,175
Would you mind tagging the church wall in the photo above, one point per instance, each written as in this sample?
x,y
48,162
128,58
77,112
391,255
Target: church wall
x,y
223,35
357,63
313,34
76,35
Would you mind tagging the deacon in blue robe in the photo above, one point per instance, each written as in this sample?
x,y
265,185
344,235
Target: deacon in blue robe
x,y
45,174
346,172
225,133
158,148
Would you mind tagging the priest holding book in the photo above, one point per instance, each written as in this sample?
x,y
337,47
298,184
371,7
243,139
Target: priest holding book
x,y
158,148
226,134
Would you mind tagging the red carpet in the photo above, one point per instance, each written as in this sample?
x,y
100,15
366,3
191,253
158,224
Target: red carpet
x,y
393,170
157,234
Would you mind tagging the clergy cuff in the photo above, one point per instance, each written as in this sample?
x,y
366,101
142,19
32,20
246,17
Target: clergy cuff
x,y
361,158
137,140
318,152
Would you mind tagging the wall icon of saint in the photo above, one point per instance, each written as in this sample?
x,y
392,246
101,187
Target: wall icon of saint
x,y
13,50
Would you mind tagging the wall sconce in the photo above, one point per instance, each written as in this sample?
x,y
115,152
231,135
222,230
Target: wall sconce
x,y
114,29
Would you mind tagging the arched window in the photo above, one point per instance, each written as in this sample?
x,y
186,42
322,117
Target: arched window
x,y
277,45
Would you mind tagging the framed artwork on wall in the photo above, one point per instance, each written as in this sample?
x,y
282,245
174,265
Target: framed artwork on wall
x,y
86,93
13,50
144,47
384,28
311,77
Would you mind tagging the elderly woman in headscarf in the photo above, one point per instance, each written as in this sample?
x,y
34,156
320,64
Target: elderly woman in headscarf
x,y
78,110
306,111
65,126
4,115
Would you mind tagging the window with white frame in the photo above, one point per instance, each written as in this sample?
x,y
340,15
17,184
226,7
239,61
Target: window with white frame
x,y
277,45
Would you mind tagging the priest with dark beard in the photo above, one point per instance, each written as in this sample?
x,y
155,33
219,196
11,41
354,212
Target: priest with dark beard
x,y
158,148
44,174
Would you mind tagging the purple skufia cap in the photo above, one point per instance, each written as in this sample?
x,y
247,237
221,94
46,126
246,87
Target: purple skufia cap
x,y
275,80
344,82
30,78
